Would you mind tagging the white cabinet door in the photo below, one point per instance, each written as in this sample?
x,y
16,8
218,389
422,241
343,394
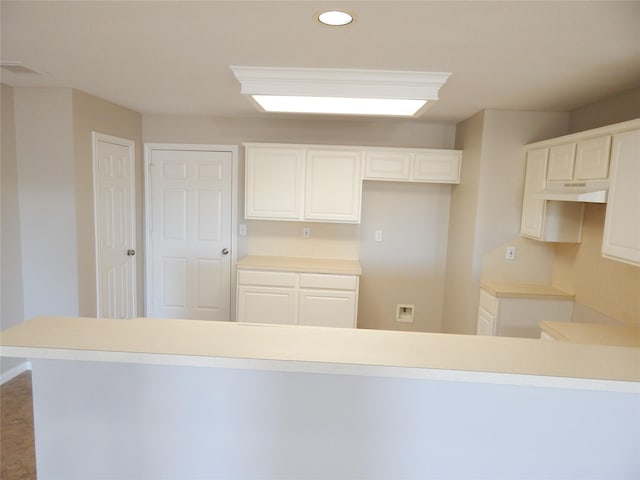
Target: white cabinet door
x,y
561,161
533,208
333,186
258,304
386,165
622,220
486,323
544,220
327,308
592,159
274,182
437,167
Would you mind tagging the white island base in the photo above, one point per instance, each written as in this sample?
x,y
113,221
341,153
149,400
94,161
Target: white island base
x,y
365,405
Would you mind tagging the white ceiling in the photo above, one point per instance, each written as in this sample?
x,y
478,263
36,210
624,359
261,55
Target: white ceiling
x,y
173,57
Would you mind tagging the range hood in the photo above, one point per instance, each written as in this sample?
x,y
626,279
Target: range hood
x,y
589,192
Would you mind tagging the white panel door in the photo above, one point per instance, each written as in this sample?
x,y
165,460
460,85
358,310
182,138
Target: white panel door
x,y
114,172
190,203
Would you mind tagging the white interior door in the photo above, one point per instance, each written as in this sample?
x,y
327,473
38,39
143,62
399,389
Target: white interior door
x,y
189,208
114,196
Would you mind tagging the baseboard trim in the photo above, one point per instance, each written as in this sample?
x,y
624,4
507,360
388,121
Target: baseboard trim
x,y
14,372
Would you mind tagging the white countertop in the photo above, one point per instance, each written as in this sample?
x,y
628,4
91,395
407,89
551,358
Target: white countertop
x,y
524,290
325,350
593,333
335,266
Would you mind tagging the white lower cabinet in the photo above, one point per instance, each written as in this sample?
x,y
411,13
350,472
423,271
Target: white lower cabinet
x,y
266,304
324,300
519,316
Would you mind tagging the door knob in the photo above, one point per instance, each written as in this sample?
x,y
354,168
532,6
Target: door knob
x,y
225,251
131,253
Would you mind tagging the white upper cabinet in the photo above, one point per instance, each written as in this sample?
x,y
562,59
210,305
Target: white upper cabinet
x,y
534,181
622,220
437,166
561,160
581,161
274,181
592,159
388,165
296,182
545,220
333,186
323,183
413,165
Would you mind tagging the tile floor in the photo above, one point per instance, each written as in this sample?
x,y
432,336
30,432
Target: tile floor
x,y
17,455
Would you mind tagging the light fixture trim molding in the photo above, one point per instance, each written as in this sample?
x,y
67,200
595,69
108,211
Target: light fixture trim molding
x,y
343,83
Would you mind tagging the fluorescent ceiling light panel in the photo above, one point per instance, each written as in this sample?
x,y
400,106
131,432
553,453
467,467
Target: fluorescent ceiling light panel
x,y
341,91
339,105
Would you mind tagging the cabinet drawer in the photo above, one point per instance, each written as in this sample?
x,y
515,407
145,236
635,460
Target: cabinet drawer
x,y
272,279
488,302
329,282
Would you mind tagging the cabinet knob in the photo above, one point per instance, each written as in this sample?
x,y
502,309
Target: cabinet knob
x,y
131,253
225,251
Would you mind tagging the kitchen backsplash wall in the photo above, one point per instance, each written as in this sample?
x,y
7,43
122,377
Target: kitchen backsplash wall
x,y
609,287
326,240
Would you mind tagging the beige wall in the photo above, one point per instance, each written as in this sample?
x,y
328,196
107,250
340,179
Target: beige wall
x,y
619,108
460,291
55,187
46,183
408,266
414,218
486,207
11,298
609,287
94,114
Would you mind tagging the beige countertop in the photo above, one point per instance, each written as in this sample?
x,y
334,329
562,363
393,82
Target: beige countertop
x,y
301,264
593,333
518,361
524,290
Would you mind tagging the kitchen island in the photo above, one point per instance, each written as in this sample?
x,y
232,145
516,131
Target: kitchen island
x,y
152,398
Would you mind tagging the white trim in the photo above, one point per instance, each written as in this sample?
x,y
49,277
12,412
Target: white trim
x,y
14,372
333,82
148,205
130,144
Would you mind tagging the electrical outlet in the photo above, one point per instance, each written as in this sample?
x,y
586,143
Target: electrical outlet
x,y
378,235
306,232
242,229
510,253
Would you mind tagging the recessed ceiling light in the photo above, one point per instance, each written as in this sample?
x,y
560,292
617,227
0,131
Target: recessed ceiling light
x,y
339,91
335,18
